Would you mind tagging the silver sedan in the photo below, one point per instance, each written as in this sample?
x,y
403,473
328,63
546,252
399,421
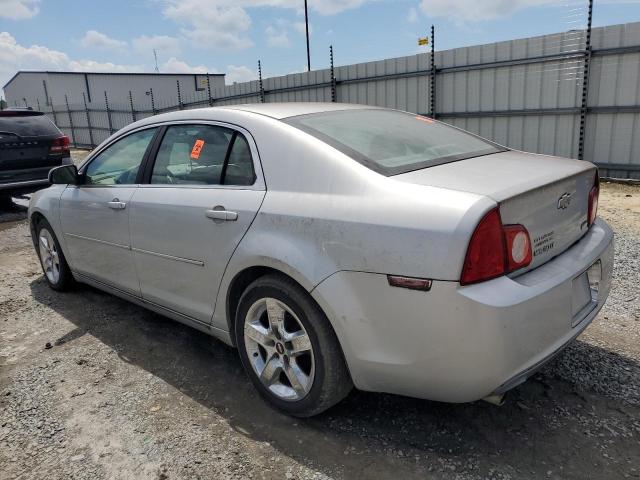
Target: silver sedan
x,y
337,246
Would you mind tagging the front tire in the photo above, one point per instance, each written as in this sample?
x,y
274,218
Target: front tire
x,y
54,265
289,349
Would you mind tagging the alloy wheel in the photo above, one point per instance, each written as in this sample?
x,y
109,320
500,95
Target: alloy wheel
x,y
49,256
279,349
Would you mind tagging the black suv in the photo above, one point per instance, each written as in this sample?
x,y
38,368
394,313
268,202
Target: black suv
x,y
30,146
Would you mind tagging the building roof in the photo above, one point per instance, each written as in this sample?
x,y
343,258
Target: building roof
x,y
109,73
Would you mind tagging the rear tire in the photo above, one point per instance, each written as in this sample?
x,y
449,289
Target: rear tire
x,y
54,265
289,349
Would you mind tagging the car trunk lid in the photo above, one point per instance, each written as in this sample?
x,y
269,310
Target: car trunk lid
x,y
548,195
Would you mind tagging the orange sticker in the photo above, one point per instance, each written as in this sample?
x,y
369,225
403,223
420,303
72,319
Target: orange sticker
x,y
424,119
197,148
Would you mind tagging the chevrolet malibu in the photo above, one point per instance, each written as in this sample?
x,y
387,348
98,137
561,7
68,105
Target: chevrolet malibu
x,y
337,246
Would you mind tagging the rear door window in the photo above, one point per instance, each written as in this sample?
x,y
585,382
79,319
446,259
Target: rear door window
x,y
192,155
203,155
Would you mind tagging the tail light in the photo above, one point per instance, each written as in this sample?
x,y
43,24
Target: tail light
x,y
495,249
594,194
60,145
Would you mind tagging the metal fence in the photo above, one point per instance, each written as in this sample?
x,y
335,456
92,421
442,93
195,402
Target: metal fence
x,y
573,94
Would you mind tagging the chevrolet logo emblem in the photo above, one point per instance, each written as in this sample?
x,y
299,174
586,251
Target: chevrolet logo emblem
x,y
564,201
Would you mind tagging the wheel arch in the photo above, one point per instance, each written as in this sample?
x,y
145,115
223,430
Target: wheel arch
x,y
242,279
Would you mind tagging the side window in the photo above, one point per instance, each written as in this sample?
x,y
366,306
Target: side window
x,y
192,155
118,164
240,167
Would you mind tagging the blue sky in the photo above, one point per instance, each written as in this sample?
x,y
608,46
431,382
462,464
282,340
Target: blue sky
x,y
231,35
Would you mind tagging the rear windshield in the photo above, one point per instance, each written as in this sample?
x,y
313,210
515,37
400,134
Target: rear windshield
x,y
391,142
28,126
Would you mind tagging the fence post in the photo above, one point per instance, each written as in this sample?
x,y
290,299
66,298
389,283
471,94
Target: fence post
x,y
53,112
260,82
333,76
209,90
106,104
86,111
432,81
133,112
73,130
153,103
585,84
179,96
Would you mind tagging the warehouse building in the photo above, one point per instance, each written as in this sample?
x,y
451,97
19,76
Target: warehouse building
x,y
39,89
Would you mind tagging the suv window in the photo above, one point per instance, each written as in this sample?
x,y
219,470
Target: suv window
x,y
28,125
118,164
196,155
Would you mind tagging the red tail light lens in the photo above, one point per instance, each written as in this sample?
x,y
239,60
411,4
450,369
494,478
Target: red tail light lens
x,y
594,195
495,249
60,145
485,255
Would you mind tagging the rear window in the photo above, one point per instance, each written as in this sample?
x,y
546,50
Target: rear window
x,y
391,142
28,126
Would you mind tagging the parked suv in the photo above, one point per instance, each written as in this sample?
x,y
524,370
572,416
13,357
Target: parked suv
x,y
30,146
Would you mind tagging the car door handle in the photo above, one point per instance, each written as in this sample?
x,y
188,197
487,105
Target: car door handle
x,y
224,215
116,204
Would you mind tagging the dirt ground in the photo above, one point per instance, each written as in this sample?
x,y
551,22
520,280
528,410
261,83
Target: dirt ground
x,y
94,387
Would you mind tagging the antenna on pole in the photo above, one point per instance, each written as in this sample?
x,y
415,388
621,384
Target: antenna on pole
x,y
155,57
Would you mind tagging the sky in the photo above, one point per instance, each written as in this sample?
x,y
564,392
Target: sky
x,y
230,36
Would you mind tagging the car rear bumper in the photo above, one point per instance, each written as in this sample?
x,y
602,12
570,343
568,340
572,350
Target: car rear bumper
x,y
460,344
28,178
23,185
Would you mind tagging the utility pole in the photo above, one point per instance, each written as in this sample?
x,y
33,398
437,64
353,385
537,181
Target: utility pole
x,y
155,57
306,22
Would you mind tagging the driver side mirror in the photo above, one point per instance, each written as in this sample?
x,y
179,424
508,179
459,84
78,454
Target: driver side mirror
x,y
66,174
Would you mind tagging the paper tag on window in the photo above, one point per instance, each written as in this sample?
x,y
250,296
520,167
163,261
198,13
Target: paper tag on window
x,y
197,148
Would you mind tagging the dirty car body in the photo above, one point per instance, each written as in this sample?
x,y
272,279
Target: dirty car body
x,y
448,268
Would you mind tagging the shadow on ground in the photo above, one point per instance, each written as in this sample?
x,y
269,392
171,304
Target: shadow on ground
x,y
546,423
11,211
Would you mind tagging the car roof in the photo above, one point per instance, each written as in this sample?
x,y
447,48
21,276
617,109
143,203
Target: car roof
x,y
292,109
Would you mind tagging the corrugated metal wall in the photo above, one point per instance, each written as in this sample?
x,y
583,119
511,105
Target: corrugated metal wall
x,y
523,93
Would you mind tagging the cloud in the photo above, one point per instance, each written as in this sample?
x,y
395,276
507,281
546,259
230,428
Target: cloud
x,y
208,24
93,66
100,41
277,37
473,11
412,15
225,24
173,65
162,43
237,74
14,57
19,9
300,27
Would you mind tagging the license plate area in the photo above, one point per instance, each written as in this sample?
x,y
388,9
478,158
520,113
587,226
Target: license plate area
x,y
584,294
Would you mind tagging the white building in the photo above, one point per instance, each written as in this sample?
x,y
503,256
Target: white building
x,y
41,88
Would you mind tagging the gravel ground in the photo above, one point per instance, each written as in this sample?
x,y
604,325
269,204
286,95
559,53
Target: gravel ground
x,y
94,387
